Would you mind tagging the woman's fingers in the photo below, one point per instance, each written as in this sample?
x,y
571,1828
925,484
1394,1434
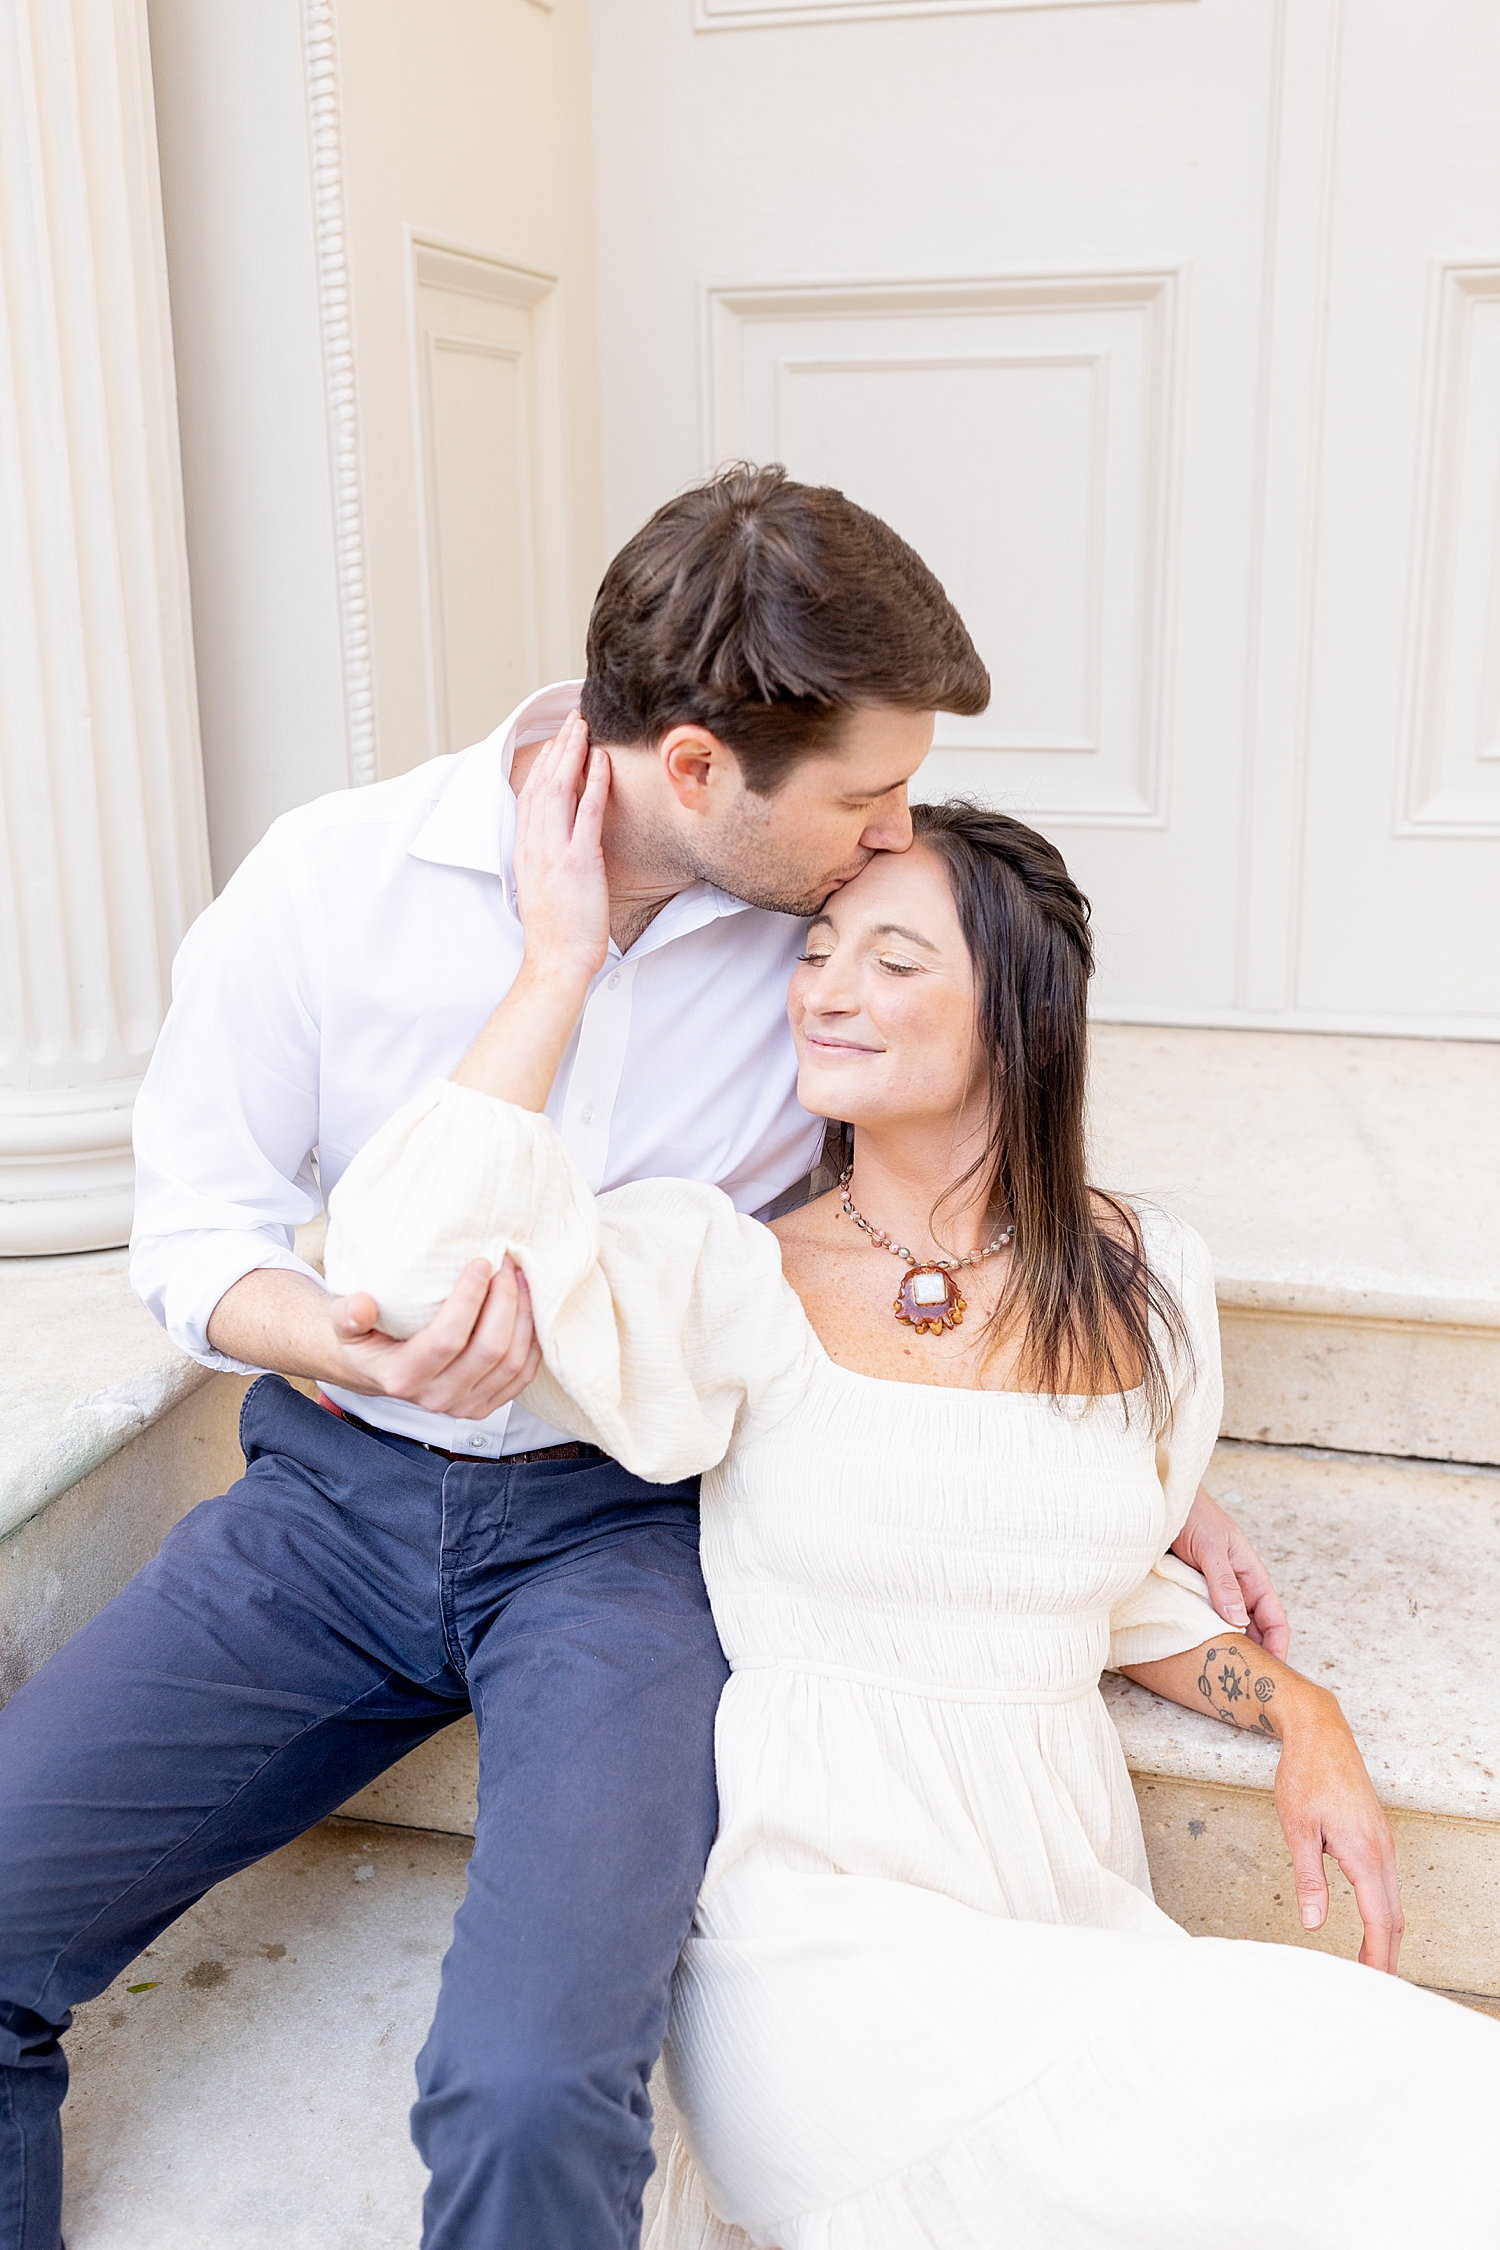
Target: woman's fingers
x,y
1224,1589
589,824
1379,1905
1268,1620
1308,1875
1392,1882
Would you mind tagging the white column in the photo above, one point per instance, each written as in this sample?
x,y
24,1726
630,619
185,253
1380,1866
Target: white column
x,y
103,852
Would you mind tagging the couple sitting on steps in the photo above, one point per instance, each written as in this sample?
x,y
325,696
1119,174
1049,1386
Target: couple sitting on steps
x,y
838,1810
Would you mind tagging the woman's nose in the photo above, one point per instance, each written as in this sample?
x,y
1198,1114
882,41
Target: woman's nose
x,y
832,995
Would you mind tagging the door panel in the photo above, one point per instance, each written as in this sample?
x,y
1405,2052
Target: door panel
x,y
1169,335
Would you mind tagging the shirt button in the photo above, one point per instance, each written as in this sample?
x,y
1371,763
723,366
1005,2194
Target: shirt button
x,y
586,1114
614,982
479,1443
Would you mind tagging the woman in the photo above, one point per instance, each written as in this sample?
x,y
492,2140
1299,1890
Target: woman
x,y
952,1415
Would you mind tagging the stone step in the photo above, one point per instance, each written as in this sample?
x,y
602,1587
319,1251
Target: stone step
x,y
245,2084
1348,1190
1388,1570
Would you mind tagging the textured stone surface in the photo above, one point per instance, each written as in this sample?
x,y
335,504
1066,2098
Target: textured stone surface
x,y
1389,1573
1347,1190
256,2098
433,1787
83,1369
1363,1386
1357,1173
62,1565
1220,1867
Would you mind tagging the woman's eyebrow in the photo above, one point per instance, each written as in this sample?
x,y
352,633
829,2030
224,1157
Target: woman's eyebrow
x,y
898,929
883,929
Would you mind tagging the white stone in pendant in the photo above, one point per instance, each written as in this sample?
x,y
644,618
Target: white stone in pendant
x,y
929,1289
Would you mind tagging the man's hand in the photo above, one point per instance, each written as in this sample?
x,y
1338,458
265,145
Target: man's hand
x,y
1239,1585
473,1357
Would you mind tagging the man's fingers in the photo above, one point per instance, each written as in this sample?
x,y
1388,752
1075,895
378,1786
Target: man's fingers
x,y
500,1357
502,1333
438,1344
1308,1877
355,1316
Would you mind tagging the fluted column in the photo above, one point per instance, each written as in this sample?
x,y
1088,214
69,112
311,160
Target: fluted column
x,y
103,851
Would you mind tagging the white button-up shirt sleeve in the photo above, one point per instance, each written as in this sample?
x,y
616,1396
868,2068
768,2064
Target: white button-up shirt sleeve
x,y
227,1119
354,958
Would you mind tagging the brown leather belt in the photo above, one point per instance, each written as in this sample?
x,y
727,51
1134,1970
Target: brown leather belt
x,y
574,1452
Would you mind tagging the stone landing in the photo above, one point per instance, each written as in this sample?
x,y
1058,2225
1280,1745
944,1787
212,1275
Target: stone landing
x,y
1348,1190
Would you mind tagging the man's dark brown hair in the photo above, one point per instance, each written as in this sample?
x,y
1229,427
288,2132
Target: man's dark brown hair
x,y
765,611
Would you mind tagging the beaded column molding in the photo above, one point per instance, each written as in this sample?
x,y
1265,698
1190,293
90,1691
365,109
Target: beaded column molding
x,y
320,50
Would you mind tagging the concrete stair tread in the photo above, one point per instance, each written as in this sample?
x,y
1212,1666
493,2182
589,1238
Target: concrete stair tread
x,y
1324,1171
257,2095
1388,1571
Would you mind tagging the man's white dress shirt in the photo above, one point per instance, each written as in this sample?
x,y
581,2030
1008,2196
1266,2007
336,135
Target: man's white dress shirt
x,y
353,958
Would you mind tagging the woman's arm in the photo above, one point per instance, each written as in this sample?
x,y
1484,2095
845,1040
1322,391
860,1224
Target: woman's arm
x,y
663,1317
1324,1798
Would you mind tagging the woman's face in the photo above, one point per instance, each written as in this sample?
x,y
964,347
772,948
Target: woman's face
x,y
882,1003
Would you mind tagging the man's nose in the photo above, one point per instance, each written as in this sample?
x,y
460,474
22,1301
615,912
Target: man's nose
x,y
890,831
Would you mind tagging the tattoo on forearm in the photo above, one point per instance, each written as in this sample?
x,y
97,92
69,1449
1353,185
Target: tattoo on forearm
x,y
1233,1690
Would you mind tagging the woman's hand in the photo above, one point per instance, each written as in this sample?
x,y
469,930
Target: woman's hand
x,y
1324,1797
1326,1803
564,903
1239,1585
561,888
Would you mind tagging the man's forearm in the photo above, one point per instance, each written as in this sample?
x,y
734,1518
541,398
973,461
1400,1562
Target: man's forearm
x,y
277,1319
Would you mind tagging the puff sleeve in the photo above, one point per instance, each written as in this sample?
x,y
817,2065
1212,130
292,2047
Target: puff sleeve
x,y
667,1328
1169,1611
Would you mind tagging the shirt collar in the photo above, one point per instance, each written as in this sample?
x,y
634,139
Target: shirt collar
x,y
473,823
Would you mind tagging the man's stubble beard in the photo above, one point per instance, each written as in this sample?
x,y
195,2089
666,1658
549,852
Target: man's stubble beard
x,y
747,868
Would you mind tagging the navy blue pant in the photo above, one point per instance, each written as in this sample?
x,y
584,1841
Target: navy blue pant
x,y
349,1597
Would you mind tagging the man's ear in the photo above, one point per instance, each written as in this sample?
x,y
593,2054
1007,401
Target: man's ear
x,y
697,766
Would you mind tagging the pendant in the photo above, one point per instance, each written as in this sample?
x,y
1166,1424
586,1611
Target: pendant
x,y
928,1300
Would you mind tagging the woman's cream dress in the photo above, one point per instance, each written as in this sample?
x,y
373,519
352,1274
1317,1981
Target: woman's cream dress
x,y
927,1998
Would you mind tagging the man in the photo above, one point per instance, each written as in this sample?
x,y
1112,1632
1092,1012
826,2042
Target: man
x,y
765,661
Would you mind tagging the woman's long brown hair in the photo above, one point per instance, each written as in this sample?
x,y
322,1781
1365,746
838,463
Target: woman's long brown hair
x,y
1091,1313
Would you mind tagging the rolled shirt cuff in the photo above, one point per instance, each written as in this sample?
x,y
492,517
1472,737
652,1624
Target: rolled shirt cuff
x,y
181,1278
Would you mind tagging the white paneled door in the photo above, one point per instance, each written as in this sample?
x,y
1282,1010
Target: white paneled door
x,y
1169,331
